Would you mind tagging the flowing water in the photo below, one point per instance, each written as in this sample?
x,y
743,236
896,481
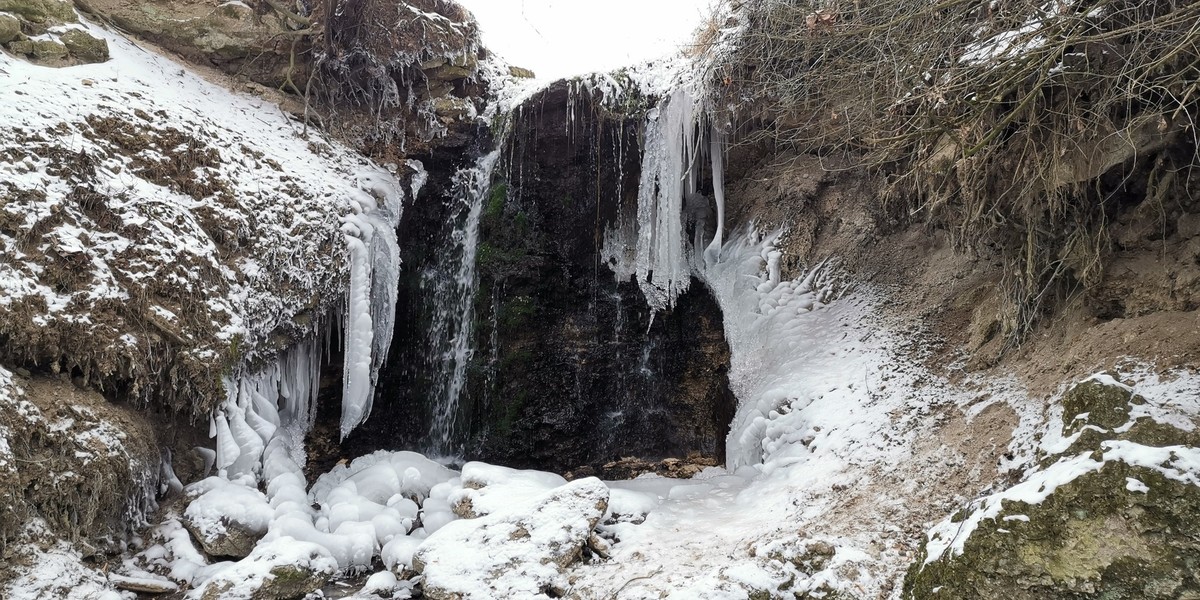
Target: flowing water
x,y
450,286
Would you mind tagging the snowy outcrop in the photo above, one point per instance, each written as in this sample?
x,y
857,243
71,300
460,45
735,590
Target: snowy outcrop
x,y
521,552
72,466
1112,507
227,519
156,227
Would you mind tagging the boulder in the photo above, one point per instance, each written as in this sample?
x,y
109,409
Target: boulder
x,y
1114,515
10,28
40,12
84,47
40,51
521,553
227,519
282,569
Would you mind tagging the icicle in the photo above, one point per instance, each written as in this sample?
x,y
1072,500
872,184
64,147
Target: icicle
x,y
712,254
370,310
358,331
227,448
667,170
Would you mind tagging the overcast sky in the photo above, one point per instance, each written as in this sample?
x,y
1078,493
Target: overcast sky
x,y
560,38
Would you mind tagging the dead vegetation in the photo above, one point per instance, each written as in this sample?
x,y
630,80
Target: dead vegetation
x,y
1022,127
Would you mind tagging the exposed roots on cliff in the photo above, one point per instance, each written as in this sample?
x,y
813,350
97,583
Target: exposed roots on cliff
x,y
1022,127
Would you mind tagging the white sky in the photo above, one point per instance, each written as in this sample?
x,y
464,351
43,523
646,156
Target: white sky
x,y
560,38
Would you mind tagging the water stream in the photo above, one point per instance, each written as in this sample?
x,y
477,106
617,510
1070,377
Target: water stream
x,y
450,286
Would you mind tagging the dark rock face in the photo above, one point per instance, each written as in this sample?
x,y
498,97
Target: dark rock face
x,y
570,368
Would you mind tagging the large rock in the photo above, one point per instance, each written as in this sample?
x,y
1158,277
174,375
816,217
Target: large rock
x,y
84,47
1115,515
228,519
40,12
10,28
517,554
283,569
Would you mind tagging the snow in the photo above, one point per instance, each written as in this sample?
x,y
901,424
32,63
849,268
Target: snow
x,y
223,502
241,580
516,553
56,572
268,192
1179,463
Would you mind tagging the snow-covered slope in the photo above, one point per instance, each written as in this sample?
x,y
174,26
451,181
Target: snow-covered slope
x,y
156,228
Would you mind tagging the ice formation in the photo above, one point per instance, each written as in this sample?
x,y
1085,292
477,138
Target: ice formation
x,y
370,310
668,173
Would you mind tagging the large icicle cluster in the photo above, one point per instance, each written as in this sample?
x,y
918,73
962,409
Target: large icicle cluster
x,y
370,311
654,249
668,175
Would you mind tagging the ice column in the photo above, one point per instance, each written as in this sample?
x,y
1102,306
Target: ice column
x,y
663,272
370,310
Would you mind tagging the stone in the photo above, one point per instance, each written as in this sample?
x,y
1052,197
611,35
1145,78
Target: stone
x,y
10,29
453,109
85,47
143,585
228,519
282,569
41,12
1121,532
521,73
40,51
516,554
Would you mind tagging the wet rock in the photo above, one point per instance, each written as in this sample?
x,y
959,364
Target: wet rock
x,y
84,47
563,351
283,569
518,554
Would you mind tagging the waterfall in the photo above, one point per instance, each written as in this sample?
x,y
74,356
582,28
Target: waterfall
x,y
450,288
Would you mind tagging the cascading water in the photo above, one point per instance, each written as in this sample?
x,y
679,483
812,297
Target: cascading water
x,y
450,288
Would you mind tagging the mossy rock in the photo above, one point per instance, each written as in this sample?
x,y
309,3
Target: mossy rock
x,y
1091,538
41,12
40,51
1121,532
1106,405
84,47
10,29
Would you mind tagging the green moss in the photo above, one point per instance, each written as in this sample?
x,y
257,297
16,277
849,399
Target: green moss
x,y
516,313
44,12
1107,406
1092,537
497,197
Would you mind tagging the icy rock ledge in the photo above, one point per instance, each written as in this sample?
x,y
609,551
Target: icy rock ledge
x,y
520,553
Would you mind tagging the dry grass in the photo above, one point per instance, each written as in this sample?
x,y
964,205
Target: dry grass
x,y
1022,126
